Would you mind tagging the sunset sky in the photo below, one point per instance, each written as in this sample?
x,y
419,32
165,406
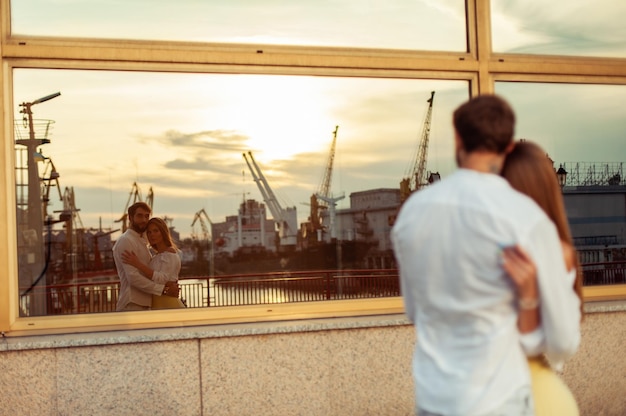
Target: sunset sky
x,y
183,134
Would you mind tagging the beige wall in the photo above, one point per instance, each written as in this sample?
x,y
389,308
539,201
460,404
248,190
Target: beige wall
x,y
597,373
298,370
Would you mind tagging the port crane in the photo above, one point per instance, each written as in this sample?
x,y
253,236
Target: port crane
x,y
417,176
207,235
49,179
324,189
321,199
135,196
285,218
74,229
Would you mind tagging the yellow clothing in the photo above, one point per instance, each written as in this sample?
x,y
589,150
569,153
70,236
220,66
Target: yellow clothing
x,y
166,302
551,395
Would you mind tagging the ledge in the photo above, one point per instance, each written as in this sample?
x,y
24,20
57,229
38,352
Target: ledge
x,y
197,332
605,306
231,330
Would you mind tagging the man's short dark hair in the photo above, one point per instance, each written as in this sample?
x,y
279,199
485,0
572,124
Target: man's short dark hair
x,y
133,208
486,122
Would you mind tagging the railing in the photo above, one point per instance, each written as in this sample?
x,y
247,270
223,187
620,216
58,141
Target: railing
x,y
258,289
304,286
232,290
613,273
70,299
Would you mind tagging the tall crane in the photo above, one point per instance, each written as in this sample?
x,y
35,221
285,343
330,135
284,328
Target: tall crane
x,y
74,229
324,189
285,218
416,177
319,200
200,216
49,179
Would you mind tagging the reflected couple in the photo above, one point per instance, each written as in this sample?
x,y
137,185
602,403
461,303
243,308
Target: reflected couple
x,y
148,279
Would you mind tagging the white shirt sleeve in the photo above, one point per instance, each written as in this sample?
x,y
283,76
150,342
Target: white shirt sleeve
x,y
134,276
407,298
166,267
533,343
559,303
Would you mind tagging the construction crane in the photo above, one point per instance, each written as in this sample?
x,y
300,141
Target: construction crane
x,y
74,229
70,212
322,199
416,177
285,218
324,189
200,216
319,200
49,179
135,196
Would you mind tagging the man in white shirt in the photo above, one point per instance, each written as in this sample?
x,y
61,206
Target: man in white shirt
x,y
447,240
136,290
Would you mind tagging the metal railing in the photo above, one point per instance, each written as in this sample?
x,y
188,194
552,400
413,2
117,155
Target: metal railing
x,y
595,274
304,287
71,298
259,289
231,290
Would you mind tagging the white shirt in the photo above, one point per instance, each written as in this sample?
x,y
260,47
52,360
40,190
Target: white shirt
x,y
166,266
447,240
534,343
134,286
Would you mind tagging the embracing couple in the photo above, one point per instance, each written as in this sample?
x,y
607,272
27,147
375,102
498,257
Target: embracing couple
x,y
489,276
148,277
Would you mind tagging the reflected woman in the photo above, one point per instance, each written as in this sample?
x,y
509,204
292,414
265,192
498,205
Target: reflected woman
x,y
529,170
164,266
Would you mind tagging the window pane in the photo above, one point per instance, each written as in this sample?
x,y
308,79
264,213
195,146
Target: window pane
x,y
178,140
398,24
559,27
582,128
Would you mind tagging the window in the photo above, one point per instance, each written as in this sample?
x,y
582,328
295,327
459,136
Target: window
x,y
574,123
581,127
167,111
422,25
178,140
559,28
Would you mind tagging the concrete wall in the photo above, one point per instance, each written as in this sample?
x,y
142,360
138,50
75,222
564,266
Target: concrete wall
x,y
329,367
597,373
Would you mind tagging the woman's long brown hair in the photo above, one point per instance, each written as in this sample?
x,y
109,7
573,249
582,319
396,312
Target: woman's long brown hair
x,y
164,230
529,170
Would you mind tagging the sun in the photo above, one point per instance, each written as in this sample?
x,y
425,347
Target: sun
x,y
282,115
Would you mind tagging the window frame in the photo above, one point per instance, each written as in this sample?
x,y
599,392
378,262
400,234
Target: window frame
x,y
479,66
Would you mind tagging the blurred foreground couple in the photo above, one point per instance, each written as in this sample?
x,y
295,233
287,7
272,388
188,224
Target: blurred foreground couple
x,y
489,276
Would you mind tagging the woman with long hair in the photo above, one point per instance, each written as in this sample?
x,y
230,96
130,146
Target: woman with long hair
x,y
529,170
164,265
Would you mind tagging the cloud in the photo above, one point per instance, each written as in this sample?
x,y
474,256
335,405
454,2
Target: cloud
x,y
206,153
573,27
223,140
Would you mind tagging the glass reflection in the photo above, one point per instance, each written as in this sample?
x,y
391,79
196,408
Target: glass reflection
x,y
316,191
582,128
559,27
403,24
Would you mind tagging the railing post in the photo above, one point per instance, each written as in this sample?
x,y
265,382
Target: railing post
x,y
208,291
328,278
